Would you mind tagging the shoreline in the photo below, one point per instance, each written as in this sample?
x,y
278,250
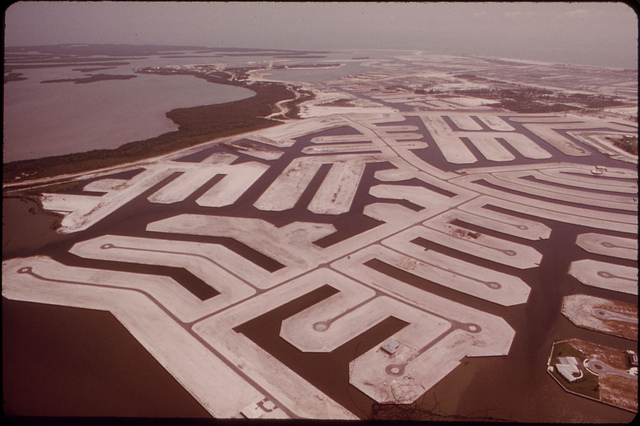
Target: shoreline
x,y
196,125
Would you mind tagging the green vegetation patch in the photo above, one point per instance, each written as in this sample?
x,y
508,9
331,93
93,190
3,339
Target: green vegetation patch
x,y
588,385
92,79
527,100
627,143
13,76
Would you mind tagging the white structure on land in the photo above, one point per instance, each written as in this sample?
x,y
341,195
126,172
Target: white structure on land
x,y
568,368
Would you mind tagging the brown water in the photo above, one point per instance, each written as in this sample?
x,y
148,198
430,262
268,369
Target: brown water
x,y
25,228
60,361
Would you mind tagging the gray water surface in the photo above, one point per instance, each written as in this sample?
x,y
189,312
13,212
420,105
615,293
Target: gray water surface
x,y
48,119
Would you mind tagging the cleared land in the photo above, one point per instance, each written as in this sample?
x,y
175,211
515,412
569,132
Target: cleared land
x,y
606,316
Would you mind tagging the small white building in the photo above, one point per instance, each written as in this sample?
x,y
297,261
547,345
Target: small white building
x,y
567,367
390,347
568,360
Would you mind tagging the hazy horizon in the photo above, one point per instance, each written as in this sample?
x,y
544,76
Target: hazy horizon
x,y
602,33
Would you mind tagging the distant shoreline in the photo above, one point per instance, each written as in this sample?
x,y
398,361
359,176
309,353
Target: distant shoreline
x,y
196,125
91,79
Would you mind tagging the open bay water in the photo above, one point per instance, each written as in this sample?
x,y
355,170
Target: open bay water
x,y
48,119
608,58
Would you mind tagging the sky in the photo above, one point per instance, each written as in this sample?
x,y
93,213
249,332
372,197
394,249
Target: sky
x,y
608,30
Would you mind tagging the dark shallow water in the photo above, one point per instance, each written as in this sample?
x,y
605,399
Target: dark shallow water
x,y
26,228
61,361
